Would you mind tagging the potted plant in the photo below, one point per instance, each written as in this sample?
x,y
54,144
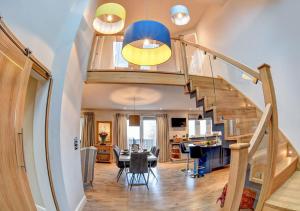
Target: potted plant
x,y
103,136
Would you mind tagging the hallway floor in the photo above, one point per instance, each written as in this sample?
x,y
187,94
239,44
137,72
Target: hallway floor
x,y
173,191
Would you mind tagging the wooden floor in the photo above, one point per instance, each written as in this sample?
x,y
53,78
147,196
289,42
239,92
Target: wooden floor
x,y
172,191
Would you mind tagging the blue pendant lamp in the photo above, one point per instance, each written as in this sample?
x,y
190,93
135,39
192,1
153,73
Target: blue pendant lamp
x,y
147,43
180,15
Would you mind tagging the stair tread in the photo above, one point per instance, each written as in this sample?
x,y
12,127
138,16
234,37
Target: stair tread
x,y
283,164
287,196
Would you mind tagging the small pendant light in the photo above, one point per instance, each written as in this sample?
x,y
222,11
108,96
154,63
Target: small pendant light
x,y
180,15
110,18
134,120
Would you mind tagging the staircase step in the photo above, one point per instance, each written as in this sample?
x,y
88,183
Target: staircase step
x,y
231,102
219,93
241,113
287,196
208,85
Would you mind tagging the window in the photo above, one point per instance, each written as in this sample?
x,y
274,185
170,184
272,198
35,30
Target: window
x,y
119,61
133,134
200,127
144,135
149,132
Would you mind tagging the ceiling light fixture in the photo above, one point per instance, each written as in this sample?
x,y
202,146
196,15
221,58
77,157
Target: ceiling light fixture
x,y
110,18
180,15
155,47
134,120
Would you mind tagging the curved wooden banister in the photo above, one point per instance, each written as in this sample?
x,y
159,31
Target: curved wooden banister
x,y
260,130
235,63
237,175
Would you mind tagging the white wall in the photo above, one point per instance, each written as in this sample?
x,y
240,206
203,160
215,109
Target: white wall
x,y
60,37
257,32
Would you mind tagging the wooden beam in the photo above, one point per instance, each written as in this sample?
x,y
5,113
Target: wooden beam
x,y
135,77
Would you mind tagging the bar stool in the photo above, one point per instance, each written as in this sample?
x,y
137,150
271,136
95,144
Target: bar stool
x,y
199,156
184,150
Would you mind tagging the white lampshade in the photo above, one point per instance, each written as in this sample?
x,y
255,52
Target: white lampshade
x,y
180,15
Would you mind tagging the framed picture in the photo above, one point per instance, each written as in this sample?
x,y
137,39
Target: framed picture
x,y
104,126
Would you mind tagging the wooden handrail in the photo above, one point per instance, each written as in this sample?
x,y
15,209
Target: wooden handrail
x,y
269,173
260,130
235,63
237,175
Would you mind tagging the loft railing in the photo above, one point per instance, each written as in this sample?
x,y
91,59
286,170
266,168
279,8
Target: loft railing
x,y
106,56
189,59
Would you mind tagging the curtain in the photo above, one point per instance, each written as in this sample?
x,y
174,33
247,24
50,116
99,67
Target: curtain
x,y
163,137
88,130
121,127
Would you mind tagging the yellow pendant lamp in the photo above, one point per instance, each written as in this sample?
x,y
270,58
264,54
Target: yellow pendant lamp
x,y
110,18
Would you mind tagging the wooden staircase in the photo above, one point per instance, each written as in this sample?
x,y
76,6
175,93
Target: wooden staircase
x,y
222,102
226,103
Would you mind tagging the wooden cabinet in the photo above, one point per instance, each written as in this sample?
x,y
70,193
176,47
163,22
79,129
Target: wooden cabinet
x,y
104,154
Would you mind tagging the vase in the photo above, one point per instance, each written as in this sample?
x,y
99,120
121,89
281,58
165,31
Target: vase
x,y
103,138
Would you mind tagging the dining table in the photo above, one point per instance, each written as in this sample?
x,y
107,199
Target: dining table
x,y
126,157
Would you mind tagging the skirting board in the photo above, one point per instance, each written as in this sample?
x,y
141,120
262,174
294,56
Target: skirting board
x,y
81,204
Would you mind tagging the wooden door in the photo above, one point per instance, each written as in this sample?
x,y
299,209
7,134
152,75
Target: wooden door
x,y
15,67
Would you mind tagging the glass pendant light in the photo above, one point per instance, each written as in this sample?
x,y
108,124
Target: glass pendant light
x,y
110,18
180,15
147,43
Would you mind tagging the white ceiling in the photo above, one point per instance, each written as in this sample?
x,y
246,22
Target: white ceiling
x,y
148,97
159,10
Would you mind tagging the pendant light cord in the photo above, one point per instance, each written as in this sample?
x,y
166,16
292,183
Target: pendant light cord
x,y
213,79
134,105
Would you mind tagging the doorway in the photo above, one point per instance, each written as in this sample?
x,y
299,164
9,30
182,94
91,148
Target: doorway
x,y
34,142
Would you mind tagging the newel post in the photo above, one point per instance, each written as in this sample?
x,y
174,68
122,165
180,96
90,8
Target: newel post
x,y
237,175
184,59
270,98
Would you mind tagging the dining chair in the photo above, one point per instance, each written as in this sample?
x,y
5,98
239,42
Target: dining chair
x,y
139,167
153,149
119,164
135,147
153,164
88,158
